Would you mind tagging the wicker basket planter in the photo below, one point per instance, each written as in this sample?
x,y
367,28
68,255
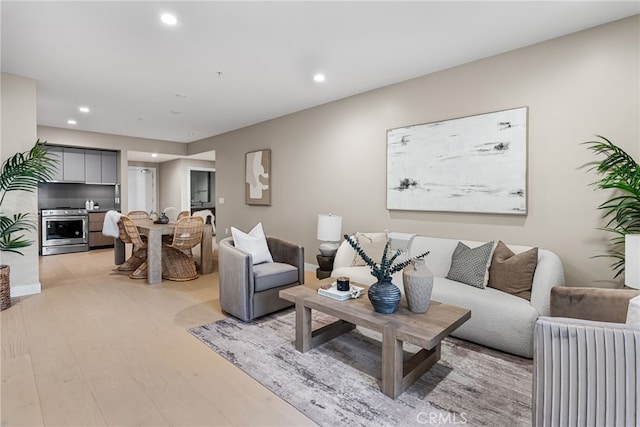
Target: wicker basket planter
x,y
5,287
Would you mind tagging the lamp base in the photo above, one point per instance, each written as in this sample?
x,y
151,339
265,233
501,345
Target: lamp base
x,y
329,248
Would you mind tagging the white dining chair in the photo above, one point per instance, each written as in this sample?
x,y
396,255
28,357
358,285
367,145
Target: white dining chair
x,y
171,213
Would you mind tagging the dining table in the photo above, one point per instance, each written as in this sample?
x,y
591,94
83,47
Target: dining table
x,y
154,232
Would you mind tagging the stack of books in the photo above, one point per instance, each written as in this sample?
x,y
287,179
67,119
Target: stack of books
x,y
334,293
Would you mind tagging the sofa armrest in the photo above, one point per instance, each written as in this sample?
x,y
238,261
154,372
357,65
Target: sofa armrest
x,y
287,253
548,275
600,304
236,279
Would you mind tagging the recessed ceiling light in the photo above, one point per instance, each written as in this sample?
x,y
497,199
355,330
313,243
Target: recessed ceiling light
x,y
181,95
154,154
169,19
319,78
71,122
84,109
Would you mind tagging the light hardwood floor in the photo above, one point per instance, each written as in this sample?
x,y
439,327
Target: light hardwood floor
x,y
98,348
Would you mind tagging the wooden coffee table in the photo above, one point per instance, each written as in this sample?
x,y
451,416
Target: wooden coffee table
x,y
425,330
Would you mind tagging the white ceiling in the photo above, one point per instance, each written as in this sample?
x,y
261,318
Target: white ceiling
x,y
227,65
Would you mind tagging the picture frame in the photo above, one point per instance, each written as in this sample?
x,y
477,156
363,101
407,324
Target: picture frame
x,y
258,177
475,164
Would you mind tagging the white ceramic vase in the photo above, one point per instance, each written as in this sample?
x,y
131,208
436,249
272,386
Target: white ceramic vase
x,y
418,285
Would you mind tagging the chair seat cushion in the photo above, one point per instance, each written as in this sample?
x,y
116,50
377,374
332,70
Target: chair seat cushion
x,y
273,274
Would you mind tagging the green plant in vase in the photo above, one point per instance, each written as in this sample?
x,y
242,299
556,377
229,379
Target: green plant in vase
x,y
619,172
384,295
21,172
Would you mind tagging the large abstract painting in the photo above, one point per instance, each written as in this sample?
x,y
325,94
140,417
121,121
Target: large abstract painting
x,y
258,178
470,164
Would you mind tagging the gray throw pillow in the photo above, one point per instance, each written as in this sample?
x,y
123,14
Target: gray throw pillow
x,y
469,266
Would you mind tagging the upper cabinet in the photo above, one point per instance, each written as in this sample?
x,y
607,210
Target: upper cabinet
x,y
109,162
73,164
56,154
84,165
93,166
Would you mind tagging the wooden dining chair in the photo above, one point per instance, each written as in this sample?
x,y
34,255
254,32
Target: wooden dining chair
x,y
177,260
138,254
138,215
136,239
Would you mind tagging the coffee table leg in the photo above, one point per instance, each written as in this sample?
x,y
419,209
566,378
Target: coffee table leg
x,y
398,375
303,326
391,363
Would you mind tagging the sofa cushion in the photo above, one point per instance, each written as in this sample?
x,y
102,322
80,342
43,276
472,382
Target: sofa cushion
x,y
272,275
372,244
469,266
513,273
498,319
254,243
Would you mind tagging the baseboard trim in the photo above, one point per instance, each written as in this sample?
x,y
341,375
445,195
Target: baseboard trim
x,y
310,267
24,290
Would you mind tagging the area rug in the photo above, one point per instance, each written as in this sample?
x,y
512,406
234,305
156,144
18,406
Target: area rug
x,y
337,383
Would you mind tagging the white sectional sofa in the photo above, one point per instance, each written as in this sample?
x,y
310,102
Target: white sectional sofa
x,y
498,319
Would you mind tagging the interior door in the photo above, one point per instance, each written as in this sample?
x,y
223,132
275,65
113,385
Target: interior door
x,y
142,189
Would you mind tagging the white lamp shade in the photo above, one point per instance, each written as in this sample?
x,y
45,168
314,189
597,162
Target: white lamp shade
x,y
329,227
632,260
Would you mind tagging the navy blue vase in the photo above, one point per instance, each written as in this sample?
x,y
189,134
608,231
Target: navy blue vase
x,y
384,296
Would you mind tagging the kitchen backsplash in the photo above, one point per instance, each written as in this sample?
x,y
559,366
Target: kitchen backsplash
x,y
54,194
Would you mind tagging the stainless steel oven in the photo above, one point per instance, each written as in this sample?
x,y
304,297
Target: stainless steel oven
x,y
64,231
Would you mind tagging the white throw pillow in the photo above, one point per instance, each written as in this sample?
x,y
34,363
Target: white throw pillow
x,y
633,312
254,243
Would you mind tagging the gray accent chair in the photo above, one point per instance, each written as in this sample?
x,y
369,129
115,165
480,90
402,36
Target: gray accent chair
x,y
586,363
250,291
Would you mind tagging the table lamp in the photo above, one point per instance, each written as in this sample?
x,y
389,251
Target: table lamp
x,y
329,228
632,260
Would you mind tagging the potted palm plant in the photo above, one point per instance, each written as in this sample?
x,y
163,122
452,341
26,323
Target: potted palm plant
x,y
21,172
619,172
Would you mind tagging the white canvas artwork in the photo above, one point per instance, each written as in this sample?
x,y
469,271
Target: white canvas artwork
x,y
257,178
470,164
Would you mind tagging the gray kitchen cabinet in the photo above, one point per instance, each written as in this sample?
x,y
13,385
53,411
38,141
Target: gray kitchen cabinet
x,y
73,164
109,162
93,166
101,167
84,165
56,171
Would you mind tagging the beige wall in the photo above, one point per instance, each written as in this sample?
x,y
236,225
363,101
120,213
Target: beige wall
x,y
333,158
18,135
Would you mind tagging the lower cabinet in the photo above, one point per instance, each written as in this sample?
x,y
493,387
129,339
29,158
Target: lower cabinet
x,y
96,238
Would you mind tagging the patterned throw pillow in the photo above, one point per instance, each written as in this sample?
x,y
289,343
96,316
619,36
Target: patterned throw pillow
x,y
372,244
469,266
513,273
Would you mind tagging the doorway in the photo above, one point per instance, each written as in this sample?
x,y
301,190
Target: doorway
x,y
142,189
201,188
